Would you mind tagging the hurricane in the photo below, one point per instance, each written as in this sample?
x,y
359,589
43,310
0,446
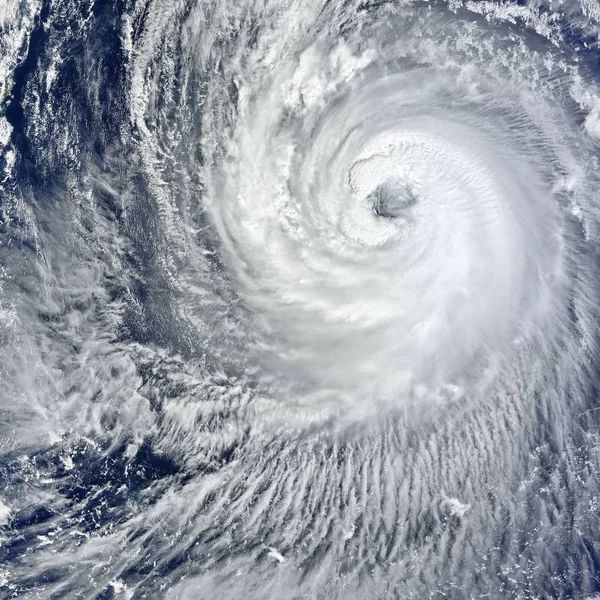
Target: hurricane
x,y
299,299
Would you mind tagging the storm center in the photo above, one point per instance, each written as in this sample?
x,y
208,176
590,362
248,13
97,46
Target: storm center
x,y
391,198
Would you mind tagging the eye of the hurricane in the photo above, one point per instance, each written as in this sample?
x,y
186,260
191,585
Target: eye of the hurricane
x,y
392,198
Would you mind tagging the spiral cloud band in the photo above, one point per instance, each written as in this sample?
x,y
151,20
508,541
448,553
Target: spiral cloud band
x,y
300,299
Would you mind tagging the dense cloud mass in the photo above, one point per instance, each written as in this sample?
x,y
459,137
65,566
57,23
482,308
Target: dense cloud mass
x,y
299,299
